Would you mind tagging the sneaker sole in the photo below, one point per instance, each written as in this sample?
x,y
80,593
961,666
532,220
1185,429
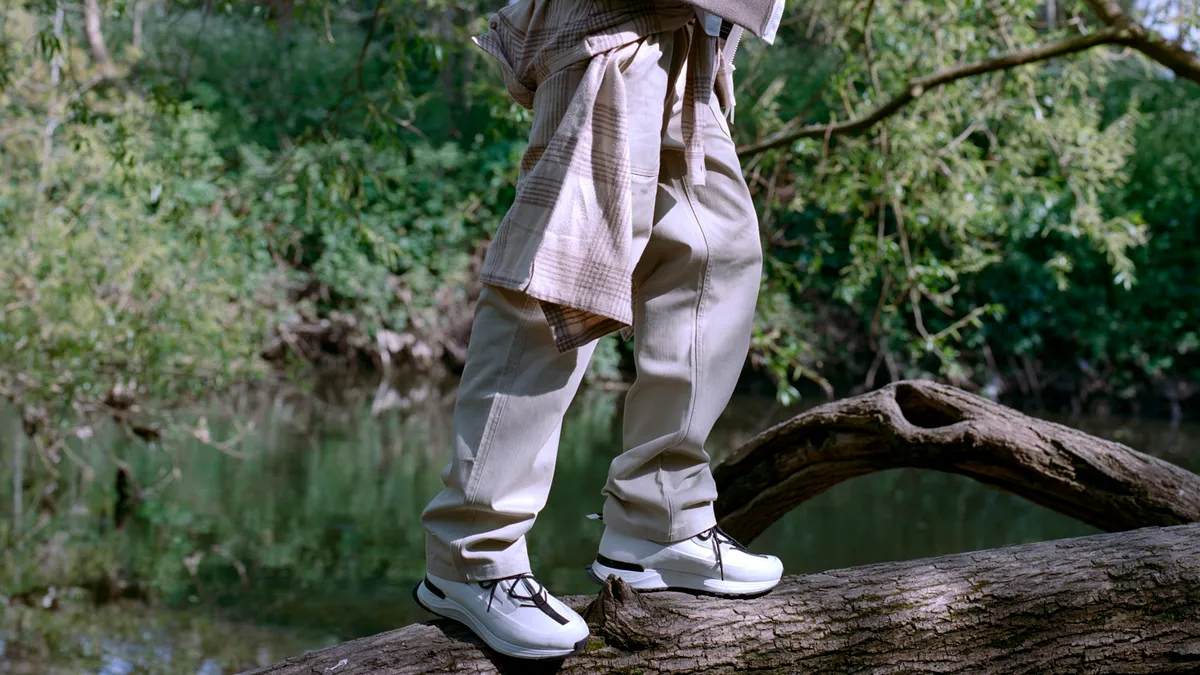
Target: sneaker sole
x,y
449,609
671,580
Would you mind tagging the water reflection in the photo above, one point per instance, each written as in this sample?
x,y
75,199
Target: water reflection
x,y
309,519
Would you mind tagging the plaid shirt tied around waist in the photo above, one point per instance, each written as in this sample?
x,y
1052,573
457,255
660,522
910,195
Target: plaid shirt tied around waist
x,y
567,240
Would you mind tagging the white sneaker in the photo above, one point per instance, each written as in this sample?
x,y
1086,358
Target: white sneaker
x,y
710,562
515,615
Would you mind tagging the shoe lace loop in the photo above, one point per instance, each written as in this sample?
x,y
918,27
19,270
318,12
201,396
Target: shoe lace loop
x,y
718,537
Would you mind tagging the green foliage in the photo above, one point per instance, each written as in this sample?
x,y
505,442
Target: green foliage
x,y
1147,331
265,87
124,270
347,157
949,227
159,238
355,217
348,160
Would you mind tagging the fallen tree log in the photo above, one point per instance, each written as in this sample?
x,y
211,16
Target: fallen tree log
x,y
1112,603
925,425
1127,602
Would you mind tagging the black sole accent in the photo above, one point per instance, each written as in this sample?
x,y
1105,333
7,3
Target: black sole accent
x,y
618,565
434,589
417,599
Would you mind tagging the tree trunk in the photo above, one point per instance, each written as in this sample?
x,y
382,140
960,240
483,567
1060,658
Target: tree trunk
x,y
925,425
92,27
139,11
1112,603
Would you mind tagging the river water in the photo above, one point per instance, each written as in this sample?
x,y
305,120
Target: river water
x,y
300,527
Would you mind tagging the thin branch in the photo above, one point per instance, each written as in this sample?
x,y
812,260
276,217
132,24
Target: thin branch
x,y
913,296
53,119
18,478
966,133
187,69
868,50
139,12
916,87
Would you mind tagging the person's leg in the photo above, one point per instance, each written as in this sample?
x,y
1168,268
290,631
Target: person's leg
x,y
515,388
698,284
514,392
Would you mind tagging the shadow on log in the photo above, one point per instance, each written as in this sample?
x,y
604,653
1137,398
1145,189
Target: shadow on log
x,y
1113,603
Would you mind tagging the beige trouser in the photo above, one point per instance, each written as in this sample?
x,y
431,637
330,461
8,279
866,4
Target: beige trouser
x,y
697,277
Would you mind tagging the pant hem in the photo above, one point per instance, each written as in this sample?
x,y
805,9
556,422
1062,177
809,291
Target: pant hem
x,y
683,526
477,573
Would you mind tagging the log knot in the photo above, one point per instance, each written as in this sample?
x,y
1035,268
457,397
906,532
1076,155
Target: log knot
x,y
622,618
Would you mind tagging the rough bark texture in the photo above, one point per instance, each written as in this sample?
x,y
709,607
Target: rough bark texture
x,y
931,426
1113,603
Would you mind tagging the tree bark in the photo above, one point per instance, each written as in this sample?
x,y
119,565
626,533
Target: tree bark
x,y
1147,40
925,425
1113,603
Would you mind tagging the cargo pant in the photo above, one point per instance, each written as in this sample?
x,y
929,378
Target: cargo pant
x,y
699,263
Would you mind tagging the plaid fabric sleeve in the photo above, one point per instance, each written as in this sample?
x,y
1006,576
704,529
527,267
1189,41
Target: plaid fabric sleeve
x,y
574,328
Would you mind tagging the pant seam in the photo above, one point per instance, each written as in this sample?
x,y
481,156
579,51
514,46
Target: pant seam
x,y
695,358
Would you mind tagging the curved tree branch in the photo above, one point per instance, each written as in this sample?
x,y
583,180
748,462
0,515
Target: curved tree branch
x,y
333,115
1120,29
918,86
1150,42
925,425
